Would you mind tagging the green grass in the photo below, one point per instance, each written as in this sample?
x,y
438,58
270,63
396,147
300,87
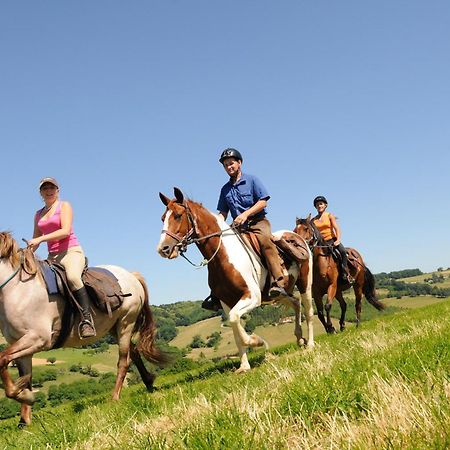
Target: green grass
x,y
384,385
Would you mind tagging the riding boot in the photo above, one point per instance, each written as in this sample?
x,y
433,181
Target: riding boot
x,y
277,288
212,303
86,328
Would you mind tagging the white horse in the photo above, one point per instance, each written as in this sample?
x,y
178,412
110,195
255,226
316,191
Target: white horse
x,y
31,321
235,272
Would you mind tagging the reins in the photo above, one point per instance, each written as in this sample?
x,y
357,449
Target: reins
x,y
10,278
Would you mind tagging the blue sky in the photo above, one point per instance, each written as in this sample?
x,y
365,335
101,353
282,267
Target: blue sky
x,y
121,100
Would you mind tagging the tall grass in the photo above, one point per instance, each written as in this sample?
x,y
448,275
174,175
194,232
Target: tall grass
x,y
385,385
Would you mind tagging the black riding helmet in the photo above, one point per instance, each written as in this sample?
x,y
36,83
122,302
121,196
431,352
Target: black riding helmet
x,y
230,153
320,198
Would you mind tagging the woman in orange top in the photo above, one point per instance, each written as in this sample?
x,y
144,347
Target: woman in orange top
x,y
329,229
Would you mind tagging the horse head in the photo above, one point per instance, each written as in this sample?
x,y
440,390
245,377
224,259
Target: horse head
x,y
305,229
179,225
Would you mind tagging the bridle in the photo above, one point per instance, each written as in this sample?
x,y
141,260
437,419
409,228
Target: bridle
x,y
313,241
192,237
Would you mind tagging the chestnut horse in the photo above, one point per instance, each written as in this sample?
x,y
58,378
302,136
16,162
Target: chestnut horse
x,y
235,272
326,278
30,321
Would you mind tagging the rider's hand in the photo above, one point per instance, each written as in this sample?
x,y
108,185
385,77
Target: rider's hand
x,y
241,219
34,243
336,242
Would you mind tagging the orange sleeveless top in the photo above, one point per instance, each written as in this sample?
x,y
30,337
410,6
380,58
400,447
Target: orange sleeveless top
x,y
324,226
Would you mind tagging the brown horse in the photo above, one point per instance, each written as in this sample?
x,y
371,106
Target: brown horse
x,y
31,321
326,278
236,274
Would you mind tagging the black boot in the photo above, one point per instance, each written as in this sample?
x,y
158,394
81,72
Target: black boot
x,y
86,328
212,303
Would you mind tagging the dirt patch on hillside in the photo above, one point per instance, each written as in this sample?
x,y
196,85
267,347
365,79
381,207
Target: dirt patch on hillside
x,y
43,362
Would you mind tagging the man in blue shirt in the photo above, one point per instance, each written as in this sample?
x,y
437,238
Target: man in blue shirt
x,y
245,197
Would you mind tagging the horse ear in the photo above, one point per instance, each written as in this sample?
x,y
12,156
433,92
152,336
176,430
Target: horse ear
x,y
164,199
178,195
309,217
297,220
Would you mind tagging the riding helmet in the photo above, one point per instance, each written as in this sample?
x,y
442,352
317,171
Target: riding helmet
x,y
318,199
230,153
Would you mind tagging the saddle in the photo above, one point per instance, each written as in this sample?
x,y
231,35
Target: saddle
x,y
102,286
291,247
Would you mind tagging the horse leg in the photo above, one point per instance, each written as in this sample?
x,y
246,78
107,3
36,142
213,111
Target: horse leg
x,y
294,303
318,300
147,377
124,361
25,347
309,314
343,305
357,289
245,366
241,337
25,370
331,293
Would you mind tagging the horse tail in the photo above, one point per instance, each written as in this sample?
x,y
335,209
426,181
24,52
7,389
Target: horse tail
x,y
146,327
369,290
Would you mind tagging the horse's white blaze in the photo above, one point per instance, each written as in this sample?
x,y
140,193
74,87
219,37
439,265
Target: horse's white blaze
x,y
165,228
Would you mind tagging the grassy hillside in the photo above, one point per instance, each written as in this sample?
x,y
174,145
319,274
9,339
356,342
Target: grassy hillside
x,y
383,385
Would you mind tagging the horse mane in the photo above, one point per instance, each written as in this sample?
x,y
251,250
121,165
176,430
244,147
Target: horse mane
x,y
9,248
16,256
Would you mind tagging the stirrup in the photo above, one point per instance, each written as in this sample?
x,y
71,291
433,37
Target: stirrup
x,y
88,322
277,291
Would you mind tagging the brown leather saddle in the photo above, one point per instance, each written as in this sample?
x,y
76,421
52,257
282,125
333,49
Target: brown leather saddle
x,y
291,247
103,288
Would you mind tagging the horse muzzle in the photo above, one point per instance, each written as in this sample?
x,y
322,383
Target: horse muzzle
x,y
168,251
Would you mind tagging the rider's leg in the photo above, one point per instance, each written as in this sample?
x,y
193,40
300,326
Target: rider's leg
x,y
74,261
263,233
344,263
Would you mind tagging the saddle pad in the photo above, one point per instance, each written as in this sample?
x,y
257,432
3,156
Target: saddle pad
x,y
49,276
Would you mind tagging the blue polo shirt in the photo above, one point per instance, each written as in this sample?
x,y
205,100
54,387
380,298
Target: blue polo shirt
x,y
237,198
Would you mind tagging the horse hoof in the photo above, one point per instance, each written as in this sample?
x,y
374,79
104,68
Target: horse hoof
x,y
257,341
331,330
242,370
26,396
301,342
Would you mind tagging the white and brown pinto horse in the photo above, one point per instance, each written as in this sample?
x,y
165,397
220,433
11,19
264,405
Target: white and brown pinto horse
x,y
235,272
30,321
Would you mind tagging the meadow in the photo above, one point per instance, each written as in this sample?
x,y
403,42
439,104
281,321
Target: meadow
x,y
384,385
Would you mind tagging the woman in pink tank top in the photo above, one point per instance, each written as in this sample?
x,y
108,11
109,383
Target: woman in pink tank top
x,y
53,225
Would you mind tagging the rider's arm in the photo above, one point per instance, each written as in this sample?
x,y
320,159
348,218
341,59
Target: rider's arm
x,y
336,229
255,209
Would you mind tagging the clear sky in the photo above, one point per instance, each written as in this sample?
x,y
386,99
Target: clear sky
x,y
120,100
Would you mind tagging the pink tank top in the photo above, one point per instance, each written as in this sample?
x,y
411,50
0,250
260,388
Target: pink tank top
x,y
53,223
